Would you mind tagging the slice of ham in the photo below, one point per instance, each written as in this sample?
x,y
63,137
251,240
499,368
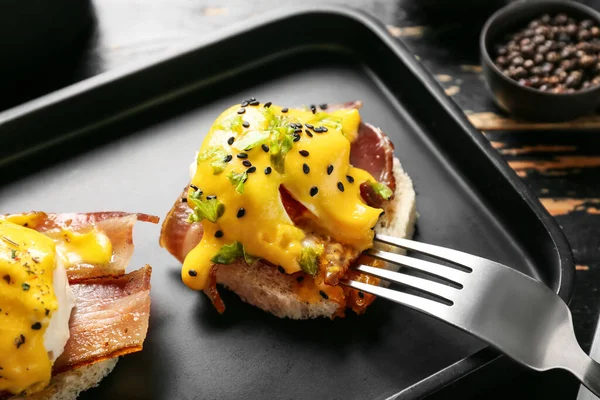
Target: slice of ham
x,y
372,151
118,226
110,319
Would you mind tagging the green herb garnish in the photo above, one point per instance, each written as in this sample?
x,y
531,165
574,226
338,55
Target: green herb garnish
x,y
235,124
251,139
209,209
217,156
309,259
250,259
382,190
238,179
25,287
230,252
13,254
281,144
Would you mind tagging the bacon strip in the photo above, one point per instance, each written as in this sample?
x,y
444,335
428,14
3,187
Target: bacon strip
x,y
110,319
118,226
177,235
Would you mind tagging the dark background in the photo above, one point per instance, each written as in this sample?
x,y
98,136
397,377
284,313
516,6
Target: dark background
x,y
49,46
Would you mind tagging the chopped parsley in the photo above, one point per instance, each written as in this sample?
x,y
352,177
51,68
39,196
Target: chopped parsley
x,y
251,139
25,287
238,179
382,190
309,259
216,154
209,209
230,252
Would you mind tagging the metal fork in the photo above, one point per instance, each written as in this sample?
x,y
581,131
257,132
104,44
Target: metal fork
x,y
512,312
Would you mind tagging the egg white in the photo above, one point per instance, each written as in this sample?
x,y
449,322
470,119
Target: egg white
x,y
57,333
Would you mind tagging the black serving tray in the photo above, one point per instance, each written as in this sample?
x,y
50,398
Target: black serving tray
x,y
123,141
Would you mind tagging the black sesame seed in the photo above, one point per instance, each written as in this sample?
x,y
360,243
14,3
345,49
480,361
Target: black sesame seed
x,y
37,326
265,148
254,103
230,140
361,295
241,212
246,163
241,111
219,234
298,130
305,168
309,126
284,110
211,197
324,129
349,179
318,129
252,99
245,103
303,153
47,312
251,170
340,186
296,137
313,191
329,169
382,214
268,104
323,106
300,278
242,155
246,124
194,187
309,133
192,272
267,170
313,109
323,295
184,199
280,269
228,158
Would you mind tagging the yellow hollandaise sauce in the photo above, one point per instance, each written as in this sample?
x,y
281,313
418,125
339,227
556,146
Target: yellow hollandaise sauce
x,y
27,302
252,150
89,247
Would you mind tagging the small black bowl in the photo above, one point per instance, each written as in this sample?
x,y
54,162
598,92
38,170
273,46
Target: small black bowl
x,y
529,103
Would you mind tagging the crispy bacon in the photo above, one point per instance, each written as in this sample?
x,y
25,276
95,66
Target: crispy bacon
x,y
177,235
371,151
118,226
110,319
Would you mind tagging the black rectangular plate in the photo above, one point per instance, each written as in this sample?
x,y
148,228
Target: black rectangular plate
x,y
124,140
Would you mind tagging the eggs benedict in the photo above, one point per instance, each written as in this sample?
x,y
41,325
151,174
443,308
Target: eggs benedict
x,y
282,201
50,341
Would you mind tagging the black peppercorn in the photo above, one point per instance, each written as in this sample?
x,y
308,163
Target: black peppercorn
x,y
584,34
553,57
586,61
574,79
538,58
517,61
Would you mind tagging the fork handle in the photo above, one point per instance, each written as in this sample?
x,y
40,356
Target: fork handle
x,y
586,369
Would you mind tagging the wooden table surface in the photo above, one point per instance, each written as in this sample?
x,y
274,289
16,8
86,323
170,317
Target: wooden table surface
x,y
560,164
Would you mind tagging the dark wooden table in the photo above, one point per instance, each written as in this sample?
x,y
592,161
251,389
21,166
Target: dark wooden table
x,y
561,165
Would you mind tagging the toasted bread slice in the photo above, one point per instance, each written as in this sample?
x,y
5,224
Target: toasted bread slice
x,y
266,288
68,385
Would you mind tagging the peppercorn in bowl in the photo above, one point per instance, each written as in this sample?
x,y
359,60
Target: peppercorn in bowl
x,y
541,60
